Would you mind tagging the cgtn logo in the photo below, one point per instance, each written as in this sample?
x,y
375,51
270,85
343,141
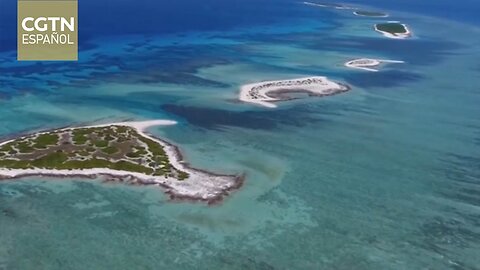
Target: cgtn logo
x,y
47,30
58,26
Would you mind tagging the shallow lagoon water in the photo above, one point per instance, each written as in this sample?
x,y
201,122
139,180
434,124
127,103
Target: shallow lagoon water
x,y
383,177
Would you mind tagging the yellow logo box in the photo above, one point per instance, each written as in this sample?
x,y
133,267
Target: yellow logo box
x,y
47,30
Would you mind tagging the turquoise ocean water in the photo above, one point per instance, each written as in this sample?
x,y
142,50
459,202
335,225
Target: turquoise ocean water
x,y
386,176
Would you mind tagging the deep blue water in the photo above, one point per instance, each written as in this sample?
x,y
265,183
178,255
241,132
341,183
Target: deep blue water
x,y
100,18
464,10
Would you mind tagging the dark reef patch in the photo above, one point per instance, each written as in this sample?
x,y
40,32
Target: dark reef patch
x,y
267,120
8,212
148,102
170,64
448,231
387,78
458,229
416,52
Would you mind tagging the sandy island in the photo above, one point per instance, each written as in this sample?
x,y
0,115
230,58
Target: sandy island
x,y
329,5
369,64
403,34
265,93
199,185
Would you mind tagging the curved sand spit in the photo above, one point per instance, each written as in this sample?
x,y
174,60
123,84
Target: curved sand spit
x,y
368,63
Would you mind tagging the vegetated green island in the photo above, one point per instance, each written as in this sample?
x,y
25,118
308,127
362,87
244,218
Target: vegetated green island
x,y
393,30
370,13
112,147
119,151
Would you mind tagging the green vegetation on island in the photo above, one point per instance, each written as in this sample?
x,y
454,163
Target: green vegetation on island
x,y
392,28
112,147
370,13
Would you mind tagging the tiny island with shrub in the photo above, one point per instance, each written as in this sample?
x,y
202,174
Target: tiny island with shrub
x,y
395,30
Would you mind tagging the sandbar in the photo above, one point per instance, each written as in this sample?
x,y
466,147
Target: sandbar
x,y
369,64
268,92
329,5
